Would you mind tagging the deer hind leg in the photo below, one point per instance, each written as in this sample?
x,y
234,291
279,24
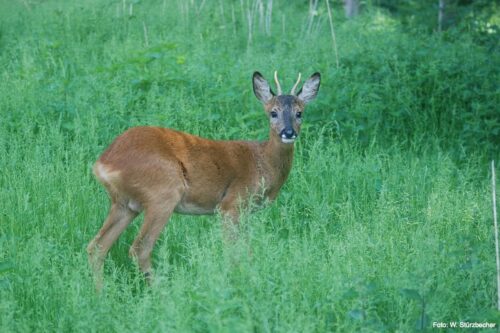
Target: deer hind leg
x,y
156,216
119,217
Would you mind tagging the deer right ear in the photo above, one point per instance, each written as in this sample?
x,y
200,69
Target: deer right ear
x,y
261,88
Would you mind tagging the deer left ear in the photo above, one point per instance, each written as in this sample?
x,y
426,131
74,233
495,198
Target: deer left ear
x,y
261,88
310,88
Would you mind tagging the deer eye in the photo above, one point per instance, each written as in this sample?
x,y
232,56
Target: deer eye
x,y
298,115
274,114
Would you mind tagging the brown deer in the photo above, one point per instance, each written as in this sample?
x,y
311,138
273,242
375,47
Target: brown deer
x,y
161,171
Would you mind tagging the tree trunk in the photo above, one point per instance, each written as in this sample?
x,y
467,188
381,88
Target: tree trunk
x,y
442,6
351,8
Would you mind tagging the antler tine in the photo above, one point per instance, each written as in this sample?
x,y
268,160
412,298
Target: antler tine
x,y
278,86
292,92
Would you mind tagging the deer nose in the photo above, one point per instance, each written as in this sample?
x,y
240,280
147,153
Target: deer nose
x,y
288,133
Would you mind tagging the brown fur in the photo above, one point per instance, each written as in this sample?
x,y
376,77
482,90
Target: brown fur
x,y
162,171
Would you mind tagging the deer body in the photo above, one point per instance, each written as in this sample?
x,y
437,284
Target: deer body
x,y
208,173
161,171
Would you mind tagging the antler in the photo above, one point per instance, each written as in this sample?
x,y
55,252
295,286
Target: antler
x,y
292,92
278,87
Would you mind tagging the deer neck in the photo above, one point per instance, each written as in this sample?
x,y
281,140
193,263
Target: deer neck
x,y
277,158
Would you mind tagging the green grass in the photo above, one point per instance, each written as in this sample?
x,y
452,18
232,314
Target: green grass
x,y
384,224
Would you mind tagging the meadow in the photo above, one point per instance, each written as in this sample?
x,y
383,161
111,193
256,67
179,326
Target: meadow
x,y
384,225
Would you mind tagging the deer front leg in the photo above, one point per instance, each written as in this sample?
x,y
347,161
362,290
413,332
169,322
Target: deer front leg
x,y
230,210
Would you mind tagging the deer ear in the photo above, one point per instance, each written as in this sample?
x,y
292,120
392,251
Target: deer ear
x,y
261,88
310,88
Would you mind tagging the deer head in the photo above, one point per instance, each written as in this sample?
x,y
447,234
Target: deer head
x,y
285,111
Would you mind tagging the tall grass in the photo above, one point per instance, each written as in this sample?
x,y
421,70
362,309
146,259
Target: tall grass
x,y
383,225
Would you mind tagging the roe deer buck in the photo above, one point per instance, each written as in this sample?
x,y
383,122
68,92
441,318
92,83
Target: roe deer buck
x,y
162,171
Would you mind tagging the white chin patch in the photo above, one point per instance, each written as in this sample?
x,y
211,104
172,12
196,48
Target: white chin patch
x,y
287,140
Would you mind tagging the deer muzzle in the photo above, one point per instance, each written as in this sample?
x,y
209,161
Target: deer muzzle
x,y
288,135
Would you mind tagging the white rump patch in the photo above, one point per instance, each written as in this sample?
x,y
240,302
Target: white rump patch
x,y
104,174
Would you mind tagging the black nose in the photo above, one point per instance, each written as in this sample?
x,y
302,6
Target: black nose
x,y
288,133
